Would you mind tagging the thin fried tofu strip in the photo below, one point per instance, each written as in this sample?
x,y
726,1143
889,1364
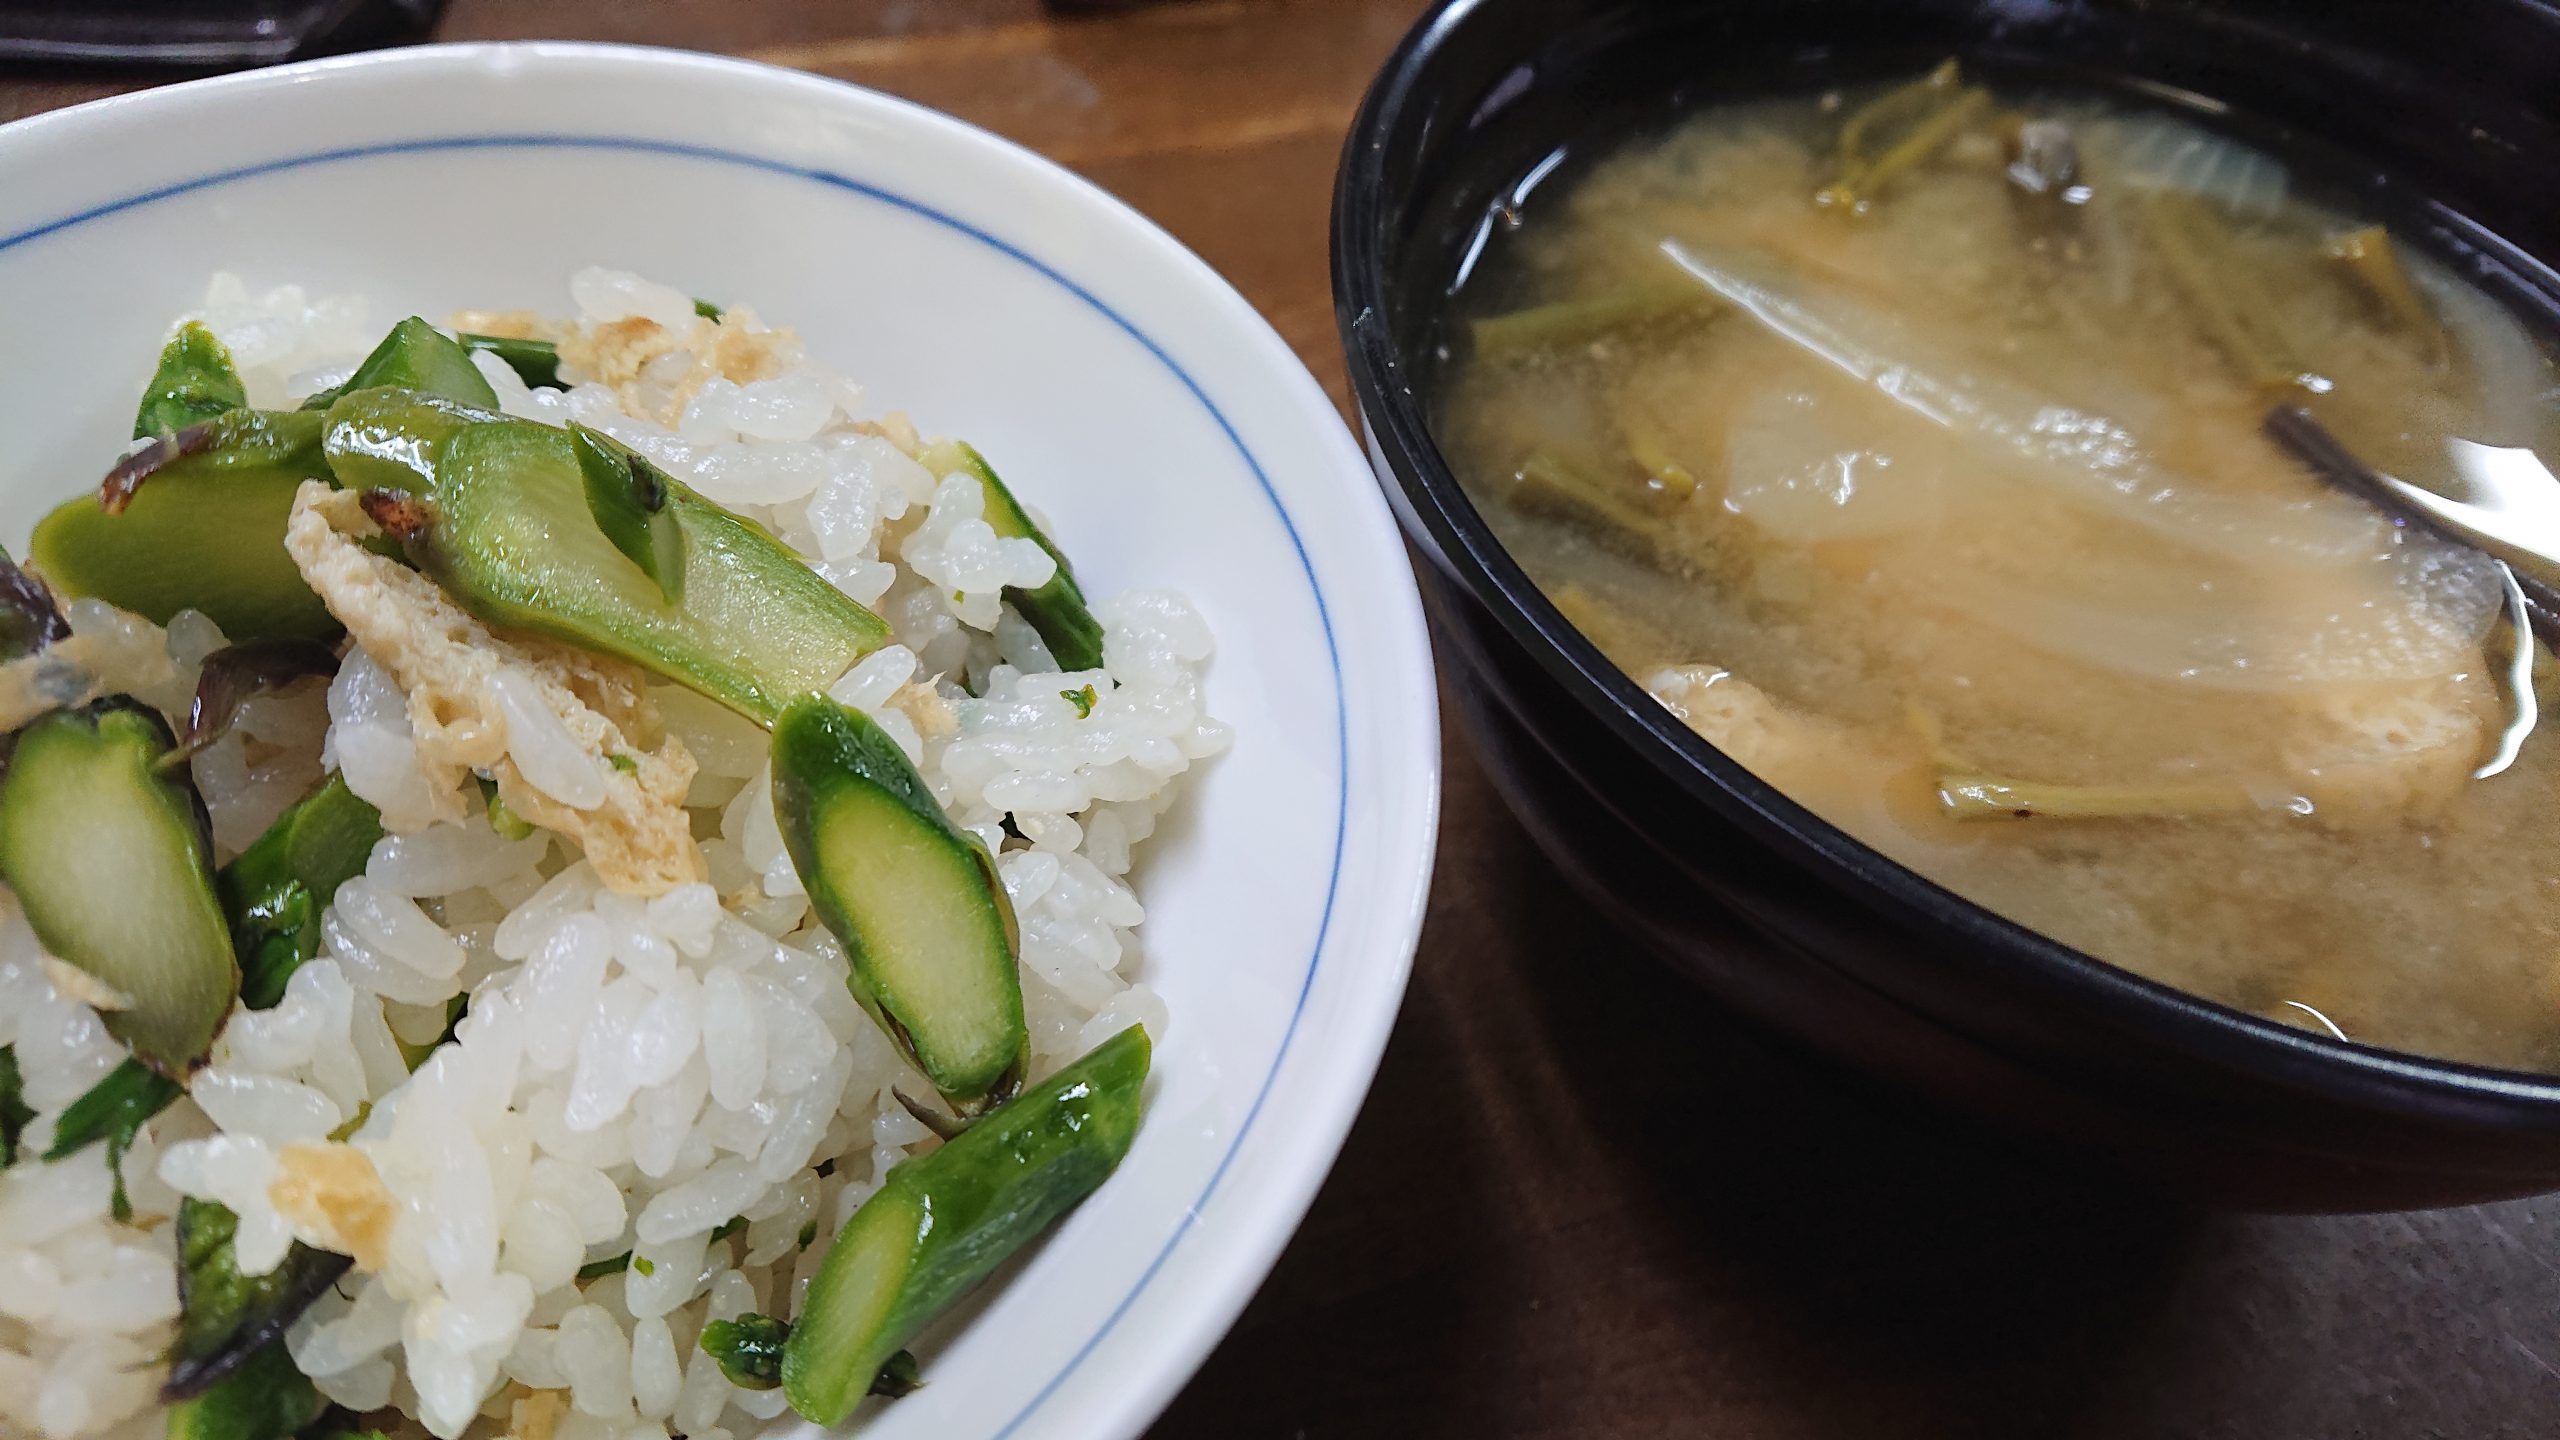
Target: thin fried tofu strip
x,y
452,668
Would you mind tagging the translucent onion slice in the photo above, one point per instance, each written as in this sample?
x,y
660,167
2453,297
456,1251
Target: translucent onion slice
x,y
2089,459
2154,152
2417,613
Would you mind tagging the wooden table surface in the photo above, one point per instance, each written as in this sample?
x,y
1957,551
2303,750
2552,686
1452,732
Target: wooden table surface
x,y
1580,1202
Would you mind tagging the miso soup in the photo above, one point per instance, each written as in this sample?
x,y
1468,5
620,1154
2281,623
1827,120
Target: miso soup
x,y
1909,445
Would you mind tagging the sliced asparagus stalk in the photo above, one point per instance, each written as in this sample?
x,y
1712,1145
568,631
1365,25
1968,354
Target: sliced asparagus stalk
x,y
914,898
114,1110
628,497
415,356
942,1221
276,890
536,362
496,510
195,383
110,853
273,894
266,1398
1991,797
749,1349
227,1319
195,520
1056,609
14,1110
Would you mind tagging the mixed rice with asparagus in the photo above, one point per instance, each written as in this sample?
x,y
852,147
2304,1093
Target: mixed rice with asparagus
x,y
561,882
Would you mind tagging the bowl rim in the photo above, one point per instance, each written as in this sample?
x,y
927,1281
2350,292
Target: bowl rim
x,y
1388,709
1393,420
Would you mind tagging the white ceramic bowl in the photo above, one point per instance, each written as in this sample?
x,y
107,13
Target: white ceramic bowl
x,y
1125,388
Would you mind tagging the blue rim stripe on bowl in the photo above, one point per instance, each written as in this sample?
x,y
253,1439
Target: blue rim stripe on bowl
x,y
1016,253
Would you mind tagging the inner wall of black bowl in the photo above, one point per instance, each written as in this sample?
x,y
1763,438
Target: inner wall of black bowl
x,y
2440,118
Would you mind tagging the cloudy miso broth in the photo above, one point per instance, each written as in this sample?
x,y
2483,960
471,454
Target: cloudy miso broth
x,y
1909,444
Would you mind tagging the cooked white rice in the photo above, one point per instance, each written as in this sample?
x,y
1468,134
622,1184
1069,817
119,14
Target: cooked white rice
x,y
633,1072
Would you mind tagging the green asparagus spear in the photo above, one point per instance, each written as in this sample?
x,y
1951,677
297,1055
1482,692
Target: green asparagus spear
x,y
942,1221
506,528
536,362
114,1110
415,356
273,895
266,1398
195,383
914,898
749,1349
628,496
110,854
1057,608
14,1110
226,1319
276,890
195,520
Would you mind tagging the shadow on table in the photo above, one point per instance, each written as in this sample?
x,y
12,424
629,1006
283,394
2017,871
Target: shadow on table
x,y
1584,1202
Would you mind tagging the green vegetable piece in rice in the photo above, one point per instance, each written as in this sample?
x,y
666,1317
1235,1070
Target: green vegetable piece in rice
x,y
536,362
899,1376
628,497
14,1110
915,899
114,1110
276,890
748,1348
195,521
749,1351
502,816
226,1320
504,525
266,1398
195,383
416,356
1057,609
110,853
273,894
941,1222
